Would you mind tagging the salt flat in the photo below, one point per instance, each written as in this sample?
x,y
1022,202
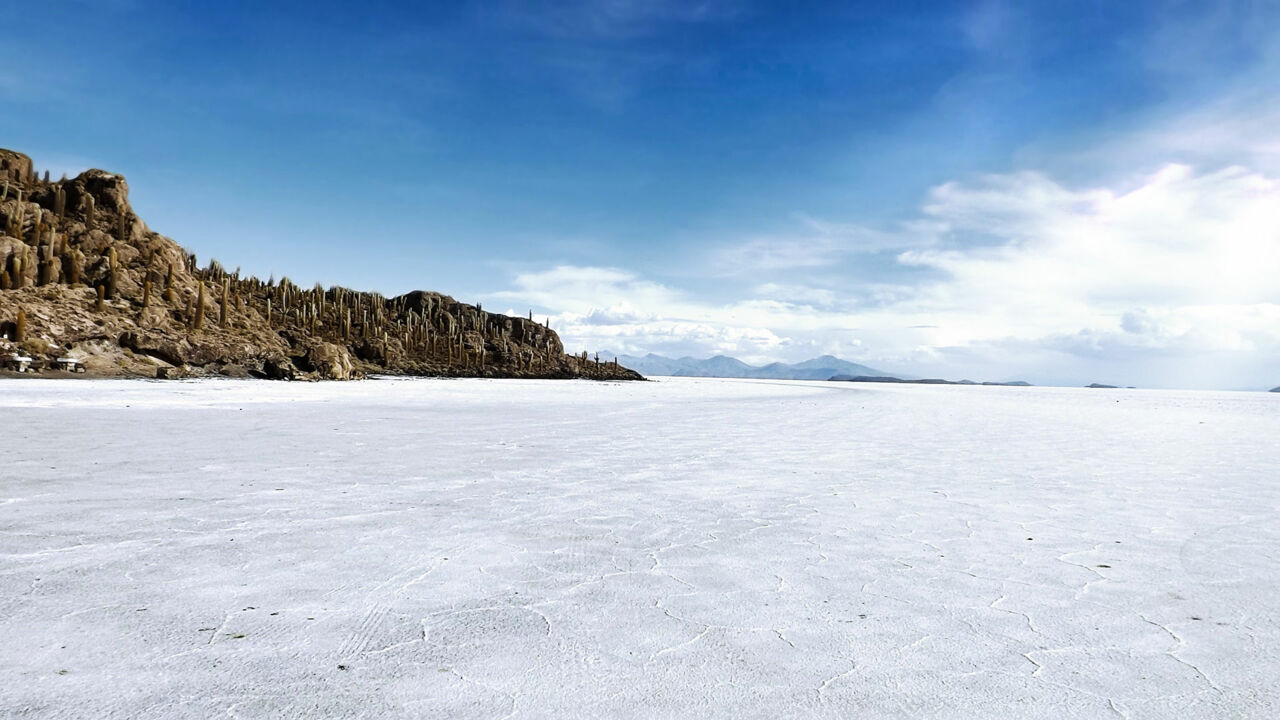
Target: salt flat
x,y
680,548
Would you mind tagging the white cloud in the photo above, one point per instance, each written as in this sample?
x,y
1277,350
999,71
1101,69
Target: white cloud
x,y
607,308
1051,257
816,243
1028,278
1181,265
797,294
569,288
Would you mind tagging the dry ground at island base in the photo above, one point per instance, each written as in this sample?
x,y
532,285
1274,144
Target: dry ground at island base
x,y
680,548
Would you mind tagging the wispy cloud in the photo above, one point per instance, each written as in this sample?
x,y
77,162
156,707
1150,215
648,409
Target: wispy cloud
x,y
607,52
817,243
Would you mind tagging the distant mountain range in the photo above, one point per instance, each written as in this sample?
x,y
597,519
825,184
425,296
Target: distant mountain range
x,y
819,368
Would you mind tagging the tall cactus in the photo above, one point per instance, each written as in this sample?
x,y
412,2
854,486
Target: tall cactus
x,y
226,300
113,265
168,286
16,279
71,264
197,320
47,267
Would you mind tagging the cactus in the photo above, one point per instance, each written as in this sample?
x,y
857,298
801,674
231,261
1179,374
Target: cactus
x,y
268,310
46,270
88,209
122,227
4,279
197,320
146,293
102,293
226,297
71,263
15,271
20,327
112,266
60,202
168,286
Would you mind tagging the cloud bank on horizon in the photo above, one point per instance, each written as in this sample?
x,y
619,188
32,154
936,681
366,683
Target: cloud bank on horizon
x,y
1170,282
1056,192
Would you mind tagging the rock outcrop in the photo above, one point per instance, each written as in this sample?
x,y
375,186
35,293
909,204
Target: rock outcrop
x,y
81,275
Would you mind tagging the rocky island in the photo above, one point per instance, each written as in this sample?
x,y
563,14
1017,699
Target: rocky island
x,y
85,285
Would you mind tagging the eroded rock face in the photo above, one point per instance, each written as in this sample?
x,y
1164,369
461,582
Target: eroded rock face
x,y
15,167
331,362
92,278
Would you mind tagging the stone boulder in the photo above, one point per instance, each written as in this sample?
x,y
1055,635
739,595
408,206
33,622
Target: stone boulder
x,y
331,362
110,191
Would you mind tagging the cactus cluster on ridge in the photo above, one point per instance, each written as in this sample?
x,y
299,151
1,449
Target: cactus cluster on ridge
x,y
84,274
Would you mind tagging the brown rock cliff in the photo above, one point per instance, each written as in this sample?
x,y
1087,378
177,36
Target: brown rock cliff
x,y
93,281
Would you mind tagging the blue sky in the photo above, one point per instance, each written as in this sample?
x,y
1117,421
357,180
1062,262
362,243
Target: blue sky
x,y
983,189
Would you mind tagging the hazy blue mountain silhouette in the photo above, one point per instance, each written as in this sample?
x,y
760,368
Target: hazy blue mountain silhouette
x,y
819,368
